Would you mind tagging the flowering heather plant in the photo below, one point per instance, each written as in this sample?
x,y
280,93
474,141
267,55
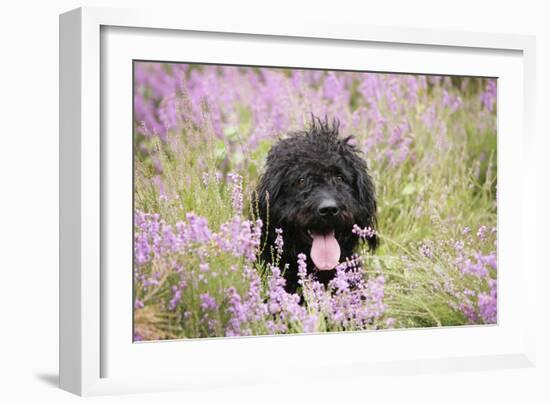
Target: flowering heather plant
x,y
201,137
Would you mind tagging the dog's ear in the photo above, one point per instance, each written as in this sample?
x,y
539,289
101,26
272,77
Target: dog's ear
x,y
367,200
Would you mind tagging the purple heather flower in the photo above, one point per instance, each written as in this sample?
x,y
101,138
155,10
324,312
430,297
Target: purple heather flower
x,y
208,303
451,101
197,230
487,305
469,311
237,311
429,117
302,268
138,304
310,323
355,303
490,260
142,249
366,232
279,242
236,192
241,238
482,232
489,97
334,88
176,296
480,266
340,281
469,292
284,306
255,306
426,251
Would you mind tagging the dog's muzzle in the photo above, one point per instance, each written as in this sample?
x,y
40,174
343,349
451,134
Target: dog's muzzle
x,y
328,208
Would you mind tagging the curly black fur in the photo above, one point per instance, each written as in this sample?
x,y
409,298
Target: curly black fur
x,y
303,171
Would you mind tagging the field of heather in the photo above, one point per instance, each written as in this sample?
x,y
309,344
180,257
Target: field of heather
x,y
201,136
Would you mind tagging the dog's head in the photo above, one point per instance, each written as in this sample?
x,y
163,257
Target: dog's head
x,y
316,187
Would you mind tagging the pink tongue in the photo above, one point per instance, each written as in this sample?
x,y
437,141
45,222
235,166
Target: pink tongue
x,y
325,251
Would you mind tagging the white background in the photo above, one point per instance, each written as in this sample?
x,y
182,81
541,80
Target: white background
x,y
29,202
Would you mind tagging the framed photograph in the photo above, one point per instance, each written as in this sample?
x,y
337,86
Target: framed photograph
x,y
241,203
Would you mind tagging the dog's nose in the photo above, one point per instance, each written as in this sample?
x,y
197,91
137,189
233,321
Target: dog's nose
x,y
328,208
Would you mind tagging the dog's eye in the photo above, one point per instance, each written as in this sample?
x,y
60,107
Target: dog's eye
x,y
339,179
300,183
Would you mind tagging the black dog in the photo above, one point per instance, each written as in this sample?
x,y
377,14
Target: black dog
x,y
315,188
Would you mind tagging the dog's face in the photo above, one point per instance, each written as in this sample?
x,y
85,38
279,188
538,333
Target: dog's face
x,y
316,187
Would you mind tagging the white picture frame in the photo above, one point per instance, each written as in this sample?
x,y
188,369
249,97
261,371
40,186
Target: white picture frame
x,y
85,343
